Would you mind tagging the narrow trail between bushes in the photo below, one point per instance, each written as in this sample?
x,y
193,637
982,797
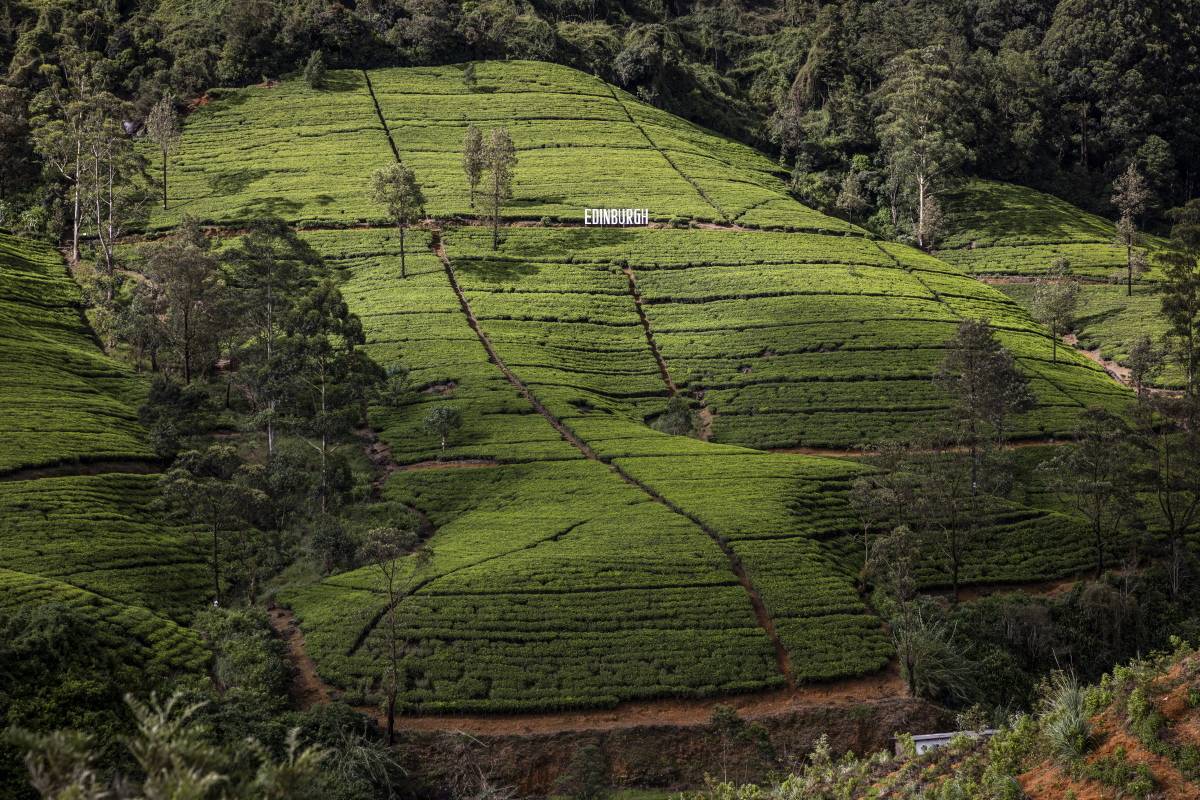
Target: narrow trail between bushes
x,y
1115,370
631,278
380,456
760,610
704,415
127,466
379,113
307,689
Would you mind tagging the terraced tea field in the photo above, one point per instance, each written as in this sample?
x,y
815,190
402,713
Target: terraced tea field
x,y
561,582
306,155
1109,322
828,341
95,543
1003,229
63,399
588,559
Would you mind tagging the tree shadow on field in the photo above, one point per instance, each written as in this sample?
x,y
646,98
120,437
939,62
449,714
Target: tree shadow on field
x,y
1083,322
344,80
498,271
526,202
578,241
268,207
230,182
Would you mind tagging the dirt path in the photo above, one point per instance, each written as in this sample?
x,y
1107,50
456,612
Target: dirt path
x,y
307,688
439,250
885,685
379,113
380,456
454,463
1122,374
98,467
631,278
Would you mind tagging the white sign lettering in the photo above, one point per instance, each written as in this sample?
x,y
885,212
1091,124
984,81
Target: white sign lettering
x,y
616,216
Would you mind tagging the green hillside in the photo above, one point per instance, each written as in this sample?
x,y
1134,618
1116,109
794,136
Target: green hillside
x,y
63,399
1003,229
587,558
306,155
97,544
584,557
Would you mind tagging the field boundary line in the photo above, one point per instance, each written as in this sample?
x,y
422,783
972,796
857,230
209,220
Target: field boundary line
x,y
752,206
631,279
158,615
695,184
101,466
759,608
379,113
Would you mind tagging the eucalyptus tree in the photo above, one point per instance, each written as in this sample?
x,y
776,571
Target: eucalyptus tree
x,y
162,127
395,187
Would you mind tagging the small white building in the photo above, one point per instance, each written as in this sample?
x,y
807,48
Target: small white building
x,y
932,741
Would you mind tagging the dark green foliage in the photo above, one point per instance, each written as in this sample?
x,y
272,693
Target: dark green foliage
x,y
442,421
314,70
215,489
55,672
1117,771
677,419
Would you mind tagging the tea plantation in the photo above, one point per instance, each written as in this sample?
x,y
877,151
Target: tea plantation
x,y
63,399
95,543
588,558
1110,321
306,155
1002,229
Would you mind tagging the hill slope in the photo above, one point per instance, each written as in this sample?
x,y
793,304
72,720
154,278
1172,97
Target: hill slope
x,y
587,559
1011,234
1005,229
95,543
64,400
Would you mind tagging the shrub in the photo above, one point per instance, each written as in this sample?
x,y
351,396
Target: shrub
x,y
586,775
677,419
1115,770
314,70
1065,721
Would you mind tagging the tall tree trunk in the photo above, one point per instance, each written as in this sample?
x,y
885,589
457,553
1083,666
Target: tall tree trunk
x,y
324,450
78,203
395,658
403,269
921,210
216,566
1129,266
187,347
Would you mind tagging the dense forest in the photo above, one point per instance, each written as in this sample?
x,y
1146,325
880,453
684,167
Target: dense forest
x,y
1063,96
